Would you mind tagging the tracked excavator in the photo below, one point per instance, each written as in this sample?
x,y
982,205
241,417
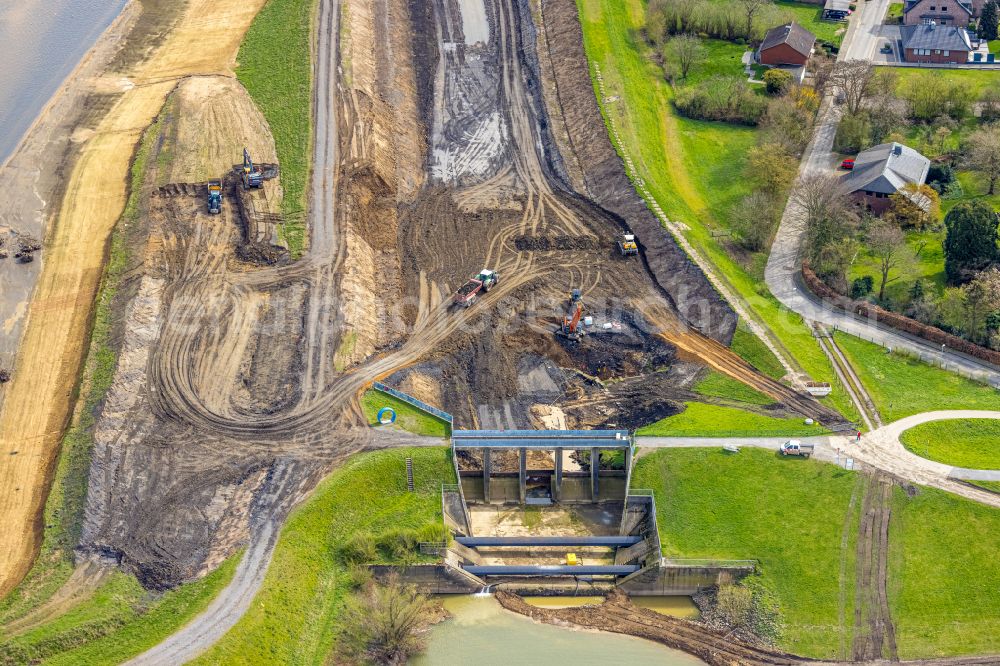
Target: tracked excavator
x,y
627,245
570,328
253,176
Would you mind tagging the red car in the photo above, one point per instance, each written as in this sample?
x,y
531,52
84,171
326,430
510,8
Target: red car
x,y
847,164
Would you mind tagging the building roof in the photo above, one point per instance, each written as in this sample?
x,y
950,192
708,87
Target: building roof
x,y
931,36
887,168
792,34
837,5
964,6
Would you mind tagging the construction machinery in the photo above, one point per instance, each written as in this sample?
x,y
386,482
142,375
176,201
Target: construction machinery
x,y
570,328
627,245
481,283
214,197
253,176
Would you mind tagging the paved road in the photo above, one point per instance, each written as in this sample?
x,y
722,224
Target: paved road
x,y
782,273
880,449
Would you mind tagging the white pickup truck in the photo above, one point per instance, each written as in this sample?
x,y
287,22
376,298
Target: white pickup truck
x,y
794,447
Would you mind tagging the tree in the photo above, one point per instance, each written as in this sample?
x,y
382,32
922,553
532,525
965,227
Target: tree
x,y
754,220
886,243
771,168
988,21
685,51
970,242
854,133
777,81
916,206
932,96
752,8
989,104
831,221
384,623
787,125
982,153
854,81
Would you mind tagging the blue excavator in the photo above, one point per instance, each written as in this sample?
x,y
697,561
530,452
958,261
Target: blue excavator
x,y
253,176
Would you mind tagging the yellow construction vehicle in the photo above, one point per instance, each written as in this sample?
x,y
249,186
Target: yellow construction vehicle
x,y
627,245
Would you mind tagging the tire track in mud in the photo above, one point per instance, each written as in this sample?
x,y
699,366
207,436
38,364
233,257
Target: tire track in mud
x,y
874,632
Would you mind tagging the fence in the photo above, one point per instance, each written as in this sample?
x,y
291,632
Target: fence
x,y
410,400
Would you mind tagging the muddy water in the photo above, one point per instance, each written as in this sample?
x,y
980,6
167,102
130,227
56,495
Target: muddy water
x,y
481,632
675,606
475,27
41,42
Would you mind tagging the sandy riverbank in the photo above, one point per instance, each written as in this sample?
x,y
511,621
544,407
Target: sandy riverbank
x,y
78,198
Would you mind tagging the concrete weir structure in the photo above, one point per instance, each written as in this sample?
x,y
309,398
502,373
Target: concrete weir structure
x,y
562,486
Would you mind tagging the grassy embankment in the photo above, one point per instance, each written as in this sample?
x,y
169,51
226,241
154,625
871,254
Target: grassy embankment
x,y
276,69
701,420
294,617
944,589
972,443
118,619
408,417
750,348
792,516
694,169
902,386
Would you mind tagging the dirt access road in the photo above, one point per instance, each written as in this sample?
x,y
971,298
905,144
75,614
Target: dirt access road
x,y
37,405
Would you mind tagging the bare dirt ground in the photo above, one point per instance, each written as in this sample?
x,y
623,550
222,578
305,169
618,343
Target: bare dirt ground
x,y
36,404
874,632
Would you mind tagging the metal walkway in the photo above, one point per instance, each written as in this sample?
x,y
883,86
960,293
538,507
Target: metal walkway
x,y
553,570
513,542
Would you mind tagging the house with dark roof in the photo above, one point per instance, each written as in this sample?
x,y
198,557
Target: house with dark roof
x,y
786,45
883,170
942,12
932,43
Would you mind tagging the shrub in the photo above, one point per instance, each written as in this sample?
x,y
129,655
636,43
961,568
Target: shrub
x,y
777,81
433,532
854,133
726,98
862,286
359,549
384,624
399,544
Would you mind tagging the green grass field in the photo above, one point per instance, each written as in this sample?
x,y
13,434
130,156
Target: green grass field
x,y
810,17
924,261
901,386
717,385
293,619
972,443
992,486
978,79
115,623
790,515
701,420
722,59
408,417
694,169
945,585
275,66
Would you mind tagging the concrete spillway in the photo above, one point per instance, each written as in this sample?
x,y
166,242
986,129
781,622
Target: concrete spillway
x,y
553,570
515,542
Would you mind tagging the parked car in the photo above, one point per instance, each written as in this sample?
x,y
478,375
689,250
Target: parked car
x,y
847,164
887,48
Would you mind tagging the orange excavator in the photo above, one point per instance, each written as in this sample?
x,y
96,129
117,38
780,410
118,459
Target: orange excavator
x,y
570,328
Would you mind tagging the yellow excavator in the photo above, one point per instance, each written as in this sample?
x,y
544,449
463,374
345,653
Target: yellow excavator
x,y
627,245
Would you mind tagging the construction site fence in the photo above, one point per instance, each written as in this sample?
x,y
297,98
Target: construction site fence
x,y
419,404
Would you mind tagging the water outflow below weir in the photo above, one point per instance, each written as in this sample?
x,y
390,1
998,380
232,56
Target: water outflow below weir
x,y
481,632
41,42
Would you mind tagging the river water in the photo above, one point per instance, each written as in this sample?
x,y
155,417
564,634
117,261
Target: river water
x,y
41,42
481,632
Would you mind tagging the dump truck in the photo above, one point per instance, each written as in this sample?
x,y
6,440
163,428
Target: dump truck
x,y
794,447
253,176
627,245
481,283
214,197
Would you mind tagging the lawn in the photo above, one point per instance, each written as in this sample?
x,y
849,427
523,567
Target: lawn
x,y
895,13
924,261
793,516
810,17
974,186
945,591
118,621
978,79
721,58
693,169
701,420
751,349
901,385
408,417
294,617
972,443
717,385
275,66
992,486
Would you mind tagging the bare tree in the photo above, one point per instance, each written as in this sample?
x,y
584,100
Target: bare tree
x,y
982,153
831,220
685,51
385,623
886,243
854,80
754,220
752,8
